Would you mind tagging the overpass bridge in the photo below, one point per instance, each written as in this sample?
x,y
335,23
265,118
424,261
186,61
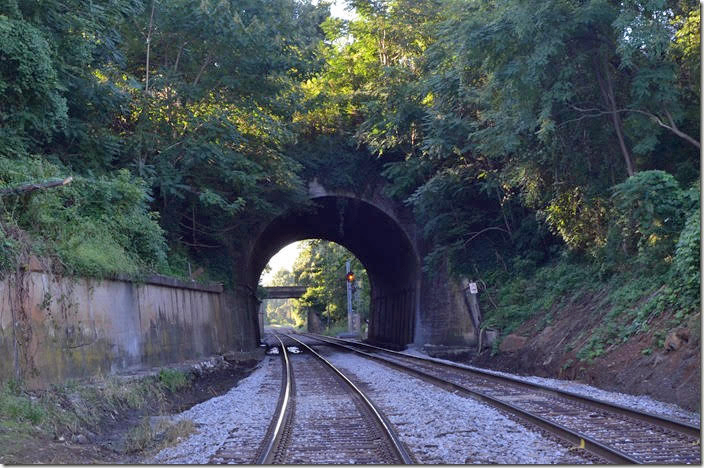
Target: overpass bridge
x,y
284,292
277,292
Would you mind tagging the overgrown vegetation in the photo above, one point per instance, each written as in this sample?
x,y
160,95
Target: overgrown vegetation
x,y
547,148
190,124
95,226
547,142
73,407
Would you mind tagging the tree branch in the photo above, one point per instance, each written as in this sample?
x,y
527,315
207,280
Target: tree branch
x,y
27,188
202,69
476,234
595,112
178,56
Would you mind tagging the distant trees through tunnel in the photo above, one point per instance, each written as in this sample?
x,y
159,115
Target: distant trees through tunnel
x,y
320,266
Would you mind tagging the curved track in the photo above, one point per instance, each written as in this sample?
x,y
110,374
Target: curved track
x,y
323,418
615,433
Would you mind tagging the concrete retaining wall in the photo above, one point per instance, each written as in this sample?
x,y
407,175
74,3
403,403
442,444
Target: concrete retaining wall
x,y
54,328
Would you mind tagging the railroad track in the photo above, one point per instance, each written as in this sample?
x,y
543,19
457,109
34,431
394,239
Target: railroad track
x,y
611,432
323,418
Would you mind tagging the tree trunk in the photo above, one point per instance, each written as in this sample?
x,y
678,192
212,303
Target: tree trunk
x,y
607,93
149,43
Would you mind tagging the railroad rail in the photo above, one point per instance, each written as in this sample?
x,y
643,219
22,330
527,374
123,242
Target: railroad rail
x,y
323,418
615,433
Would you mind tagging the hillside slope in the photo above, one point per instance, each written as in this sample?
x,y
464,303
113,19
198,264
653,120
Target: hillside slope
x,y
663,362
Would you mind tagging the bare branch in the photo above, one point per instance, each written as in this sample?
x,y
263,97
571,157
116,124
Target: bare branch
x,y
206,62
476,234
27,188
595,112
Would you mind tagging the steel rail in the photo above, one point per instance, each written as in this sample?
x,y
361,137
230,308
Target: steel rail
x,y
398,447
663,421
581,440
266,456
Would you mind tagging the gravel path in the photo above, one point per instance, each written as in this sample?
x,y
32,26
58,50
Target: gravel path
x,y
638,402
440,427
236,421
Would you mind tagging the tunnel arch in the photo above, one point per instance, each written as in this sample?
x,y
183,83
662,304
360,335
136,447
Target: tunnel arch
x,y
376,235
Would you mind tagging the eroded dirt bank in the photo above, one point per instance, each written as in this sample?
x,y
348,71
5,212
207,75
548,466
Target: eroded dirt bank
x,y
664,363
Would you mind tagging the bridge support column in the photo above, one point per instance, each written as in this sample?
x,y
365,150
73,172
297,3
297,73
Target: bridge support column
x,y
262,317
314,325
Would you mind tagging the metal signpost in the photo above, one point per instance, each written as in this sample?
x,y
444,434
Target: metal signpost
x,y
350,278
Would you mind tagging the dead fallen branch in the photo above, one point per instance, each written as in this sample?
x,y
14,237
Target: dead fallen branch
x,y
27,188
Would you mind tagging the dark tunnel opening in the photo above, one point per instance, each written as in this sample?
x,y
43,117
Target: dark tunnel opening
x,y
375,238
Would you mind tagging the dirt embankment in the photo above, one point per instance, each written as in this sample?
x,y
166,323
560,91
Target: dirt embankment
x,y
121,434
664,363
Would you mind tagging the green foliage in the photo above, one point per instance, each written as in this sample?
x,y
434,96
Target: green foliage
x,y
320,267
95,226
649,213
32,102
687,256
524,297
335,329
509,127
174,380
581,223
16,406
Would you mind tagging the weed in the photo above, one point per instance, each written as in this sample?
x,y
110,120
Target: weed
x,y
17,406
335,329
174,380
139,437
179,431
147,435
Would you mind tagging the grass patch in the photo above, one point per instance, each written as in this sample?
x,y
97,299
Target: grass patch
x,y
174,380
18,407
67,409
335,329
149,436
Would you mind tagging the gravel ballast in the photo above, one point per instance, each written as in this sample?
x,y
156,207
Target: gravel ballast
x,y
438,426
636,402
236,419
441,427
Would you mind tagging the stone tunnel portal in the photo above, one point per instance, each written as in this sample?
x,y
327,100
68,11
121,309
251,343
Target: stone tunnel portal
x,y
380,243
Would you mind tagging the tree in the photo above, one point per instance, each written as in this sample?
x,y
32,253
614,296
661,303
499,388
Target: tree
x,y
320,267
